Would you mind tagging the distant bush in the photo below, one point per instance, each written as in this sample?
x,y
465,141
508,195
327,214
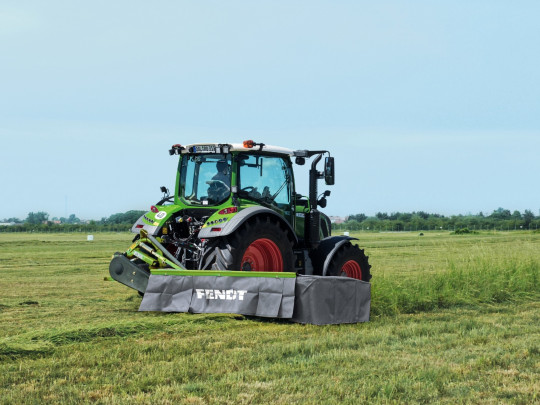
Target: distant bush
x,y
463,231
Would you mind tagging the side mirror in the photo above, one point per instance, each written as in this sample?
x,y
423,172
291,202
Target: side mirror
x,y
329,171
164,189
300,161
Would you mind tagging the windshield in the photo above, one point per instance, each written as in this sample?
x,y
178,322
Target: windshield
x,y
205,179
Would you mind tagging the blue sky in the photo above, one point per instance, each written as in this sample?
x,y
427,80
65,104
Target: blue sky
x,y
426,105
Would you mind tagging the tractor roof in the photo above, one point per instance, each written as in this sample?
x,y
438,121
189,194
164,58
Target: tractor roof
x,y
265,148
246,146
235,147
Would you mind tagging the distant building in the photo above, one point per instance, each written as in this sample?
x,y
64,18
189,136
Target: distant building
x,y
338,220
7,223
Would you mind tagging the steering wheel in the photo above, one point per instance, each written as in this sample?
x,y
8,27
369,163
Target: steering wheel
x,y
218,183
249,189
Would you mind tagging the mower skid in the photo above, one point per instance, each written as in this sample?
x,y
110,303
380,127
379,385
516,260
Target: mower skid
x,y
127,273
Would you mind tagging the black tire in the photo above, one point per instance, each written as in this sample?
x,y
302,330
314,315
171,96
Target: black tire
x,y
260,244
350,261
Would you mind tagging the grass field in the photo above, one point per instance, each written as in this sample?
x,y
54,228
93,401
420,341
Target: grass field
x,y
455,319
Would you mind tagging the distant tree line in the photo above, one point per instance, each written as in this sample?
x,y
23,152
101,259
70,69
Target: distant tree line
x,y
500,219
40,222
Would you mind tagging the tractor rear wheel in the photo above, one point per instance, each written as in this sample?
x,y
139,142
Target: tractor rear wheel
x,y
350,261
259,245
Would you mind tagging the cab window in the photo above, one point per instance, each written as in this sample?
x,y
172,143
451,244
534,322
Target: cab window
x,y
206,178
264,178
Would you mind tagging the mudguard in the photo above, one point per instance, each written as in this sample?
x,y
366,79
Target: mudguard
x,y
152,222
229,227
142,223
322,256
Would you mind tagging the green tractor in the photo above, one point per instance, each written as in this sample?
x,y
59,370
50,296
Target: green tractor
x,y
235,207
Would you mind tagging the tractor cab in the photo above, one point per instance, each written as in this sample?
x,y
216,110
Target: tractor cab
x,y
216,176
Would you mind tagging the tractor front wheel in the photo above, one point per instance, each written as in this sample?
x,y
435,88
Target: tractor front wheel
x,y
350,261
259,245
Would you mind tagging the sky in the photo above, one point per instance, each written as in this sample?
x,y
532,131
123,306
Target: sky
x,y
426,106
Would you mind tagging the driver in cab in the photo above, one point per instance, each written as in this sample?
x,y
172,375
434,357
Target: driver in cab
x,y
220,185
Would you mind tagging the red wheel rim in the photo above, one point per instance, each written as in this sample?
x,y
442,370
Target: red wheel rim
x,y
262,255
352,269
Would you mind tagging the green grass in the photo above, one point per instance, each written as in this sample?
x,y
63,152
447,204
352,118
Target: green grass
x,y
444,270
455,319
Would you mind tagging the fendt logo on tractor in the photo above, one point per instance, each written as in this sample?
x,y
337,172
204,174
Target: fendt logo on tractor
x,y
229,295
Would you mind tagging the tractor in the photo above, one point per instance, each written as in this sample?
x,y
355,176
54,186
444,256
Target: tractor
x,y
235,207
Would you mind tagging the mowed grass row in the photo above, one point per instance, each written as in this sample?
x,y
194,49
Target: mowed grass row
x,y
455,319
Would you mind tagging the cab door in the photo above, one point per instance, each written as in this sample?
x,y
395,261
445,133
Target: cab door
x,y
267,180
